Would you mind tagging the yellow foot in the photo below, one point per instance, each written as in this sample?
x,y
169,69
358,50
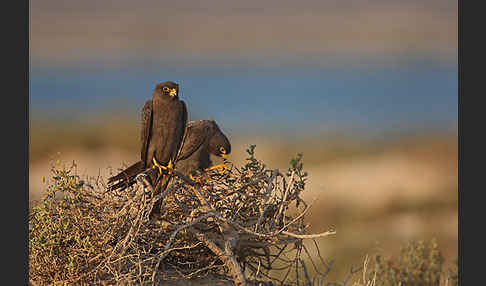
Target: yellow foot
x,y
222,168
170,167
161,167
195,180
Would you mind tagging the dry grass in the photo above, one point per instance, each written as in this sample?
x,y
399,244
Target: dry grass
x,y
419,263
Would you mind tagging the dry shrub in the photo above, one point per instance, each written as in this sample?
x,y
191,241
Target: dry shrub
x,y
419,263
236,227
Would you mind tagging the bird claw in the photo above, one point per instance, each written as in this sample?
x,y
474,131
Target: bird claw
x,y
222,168
168,169
194,179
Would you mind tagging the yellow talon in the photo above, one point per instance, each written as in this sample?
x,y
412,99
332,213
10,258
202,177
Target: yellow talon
x,y
194,179
158,166
222,168
170,167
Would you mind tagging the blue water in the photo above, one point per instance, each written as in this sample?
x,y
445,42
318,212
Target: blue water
x,y
366,97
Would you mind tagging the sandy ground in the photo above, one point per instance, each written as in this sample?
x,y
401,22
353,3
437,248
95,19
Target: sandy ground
x,y
374,181
365,182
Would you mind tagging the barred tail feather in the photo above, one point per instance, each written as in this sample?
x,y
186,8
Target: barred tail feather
x,y
127,176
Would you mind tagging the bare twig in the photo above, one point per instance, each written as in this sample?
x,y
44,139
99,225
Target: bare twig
x,y
309,236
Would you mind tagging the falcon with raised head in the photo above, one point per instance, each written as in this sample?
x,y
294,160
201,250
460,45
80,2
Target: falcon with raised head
x,y
164,121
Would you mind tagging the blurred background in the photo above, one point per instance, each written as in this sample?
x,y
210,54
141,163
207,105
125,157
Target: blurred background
x,y
366,91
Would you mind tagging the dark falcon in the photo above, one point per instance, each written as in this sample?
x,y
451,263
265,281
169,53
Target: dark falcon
x,y
163,125
203,137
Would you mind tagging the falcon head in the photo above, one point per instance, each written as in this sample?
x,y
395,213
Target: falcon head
x,y
167,88
223,152
219,144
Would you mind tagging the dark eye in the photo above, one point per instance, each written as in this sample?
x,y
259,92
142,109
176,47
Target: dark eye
x,y
222,150
165,88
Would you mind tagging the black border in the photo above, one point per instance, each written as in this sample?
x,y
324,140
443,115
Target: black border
x,y
471,121
15,160
26,64
24,68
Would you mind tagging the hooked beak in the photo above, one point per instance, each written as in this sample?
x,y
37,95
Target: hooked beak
x,y
173,92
